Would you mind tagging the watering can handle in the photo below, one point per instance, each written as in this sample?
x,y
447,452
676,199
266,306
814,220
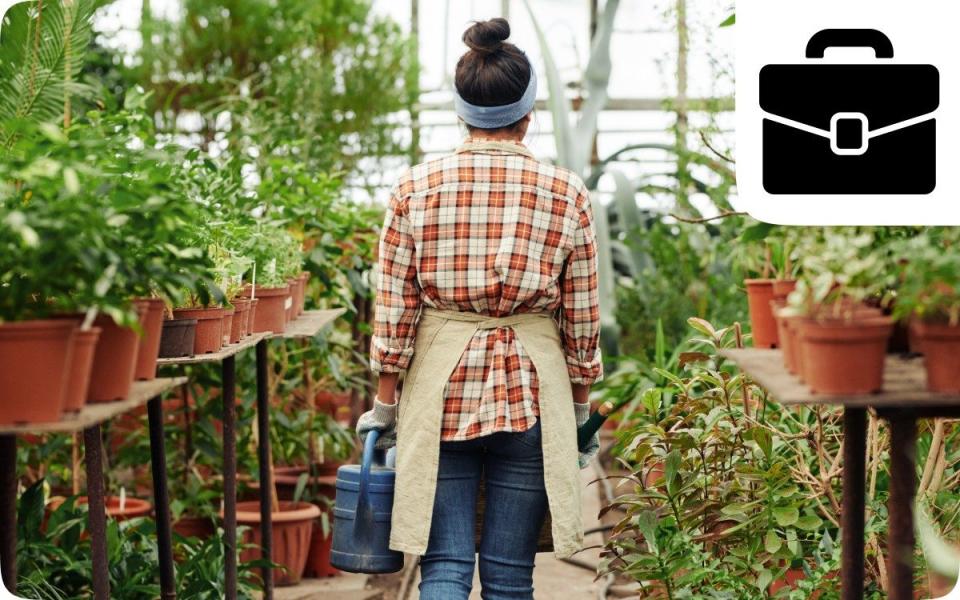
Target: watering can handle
x,y
365,517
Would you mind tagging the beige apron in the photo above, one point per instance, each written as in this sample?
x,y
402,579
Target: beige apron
x,y
441,339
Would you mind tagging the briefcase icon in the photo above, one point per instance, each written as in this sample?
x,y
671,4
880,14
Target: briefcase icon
x,y
849,128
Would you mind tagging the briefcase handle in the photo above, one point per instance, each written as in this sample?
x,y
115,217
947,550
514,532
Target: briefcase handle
x,y
849,38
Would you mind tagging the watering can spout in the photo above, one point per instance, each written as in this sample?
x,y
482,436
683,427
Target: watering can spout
x,y
362,510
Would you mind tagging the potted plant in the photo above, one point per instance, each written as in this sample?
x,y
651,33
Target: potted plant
x,y
272,250
928,297
193,508
768,252
842,341
208,336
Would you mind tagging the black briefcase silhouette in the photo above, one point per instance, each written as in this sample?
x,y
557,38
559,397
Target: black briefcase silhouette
x,y
849,128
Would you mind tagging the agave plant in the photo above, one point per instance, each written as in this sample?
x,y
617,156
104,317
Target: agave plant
x,y
622,217
41,54
575,144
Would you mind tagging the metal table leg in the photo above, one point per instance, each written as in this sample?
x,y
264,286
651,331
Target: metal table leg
x,y
161,499
903,482
8,511
852,517
96,512
230,476
266,481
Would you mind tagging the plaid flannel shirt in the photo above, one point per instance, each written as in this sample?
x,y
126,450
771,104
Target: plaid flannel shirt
x,y
489,230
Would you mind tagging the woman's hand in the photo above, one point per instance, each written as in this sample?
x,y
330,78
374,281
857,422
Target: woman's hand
x,y
581,409
382,418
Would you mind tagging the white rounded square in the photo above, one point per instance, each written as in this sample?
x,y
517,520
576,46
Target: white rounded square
x,y
776,33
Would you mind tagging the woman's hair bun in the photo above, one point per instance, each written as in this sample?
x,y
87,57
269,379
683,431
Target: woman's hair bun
x,y
487,37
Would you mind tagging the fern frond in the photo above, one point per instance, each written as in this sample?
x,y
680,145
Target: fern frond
x,y
41,54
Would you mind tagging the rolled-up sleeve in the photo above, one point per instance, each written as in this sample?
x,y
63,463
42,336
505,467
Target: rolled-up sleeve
x,y
580,301
398,293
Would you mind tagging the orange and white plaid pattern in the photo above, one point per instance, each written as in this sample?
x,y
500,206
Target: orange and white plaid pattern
x,y
493,231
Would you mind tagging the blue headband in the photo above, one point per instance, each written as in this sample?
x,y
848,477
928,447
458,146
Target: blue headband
x,y
495,117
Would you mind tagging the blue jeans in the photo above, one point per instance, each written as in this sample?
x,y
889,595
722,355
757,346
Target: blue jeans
x,y
516,504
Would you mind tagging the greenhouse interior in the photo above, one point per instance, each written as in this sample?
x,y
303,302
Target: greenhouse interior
x,y
289,289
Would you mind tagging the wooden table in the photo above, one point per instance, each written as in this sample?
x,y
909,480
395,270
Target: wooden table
x,y
904,399
307,325
89,421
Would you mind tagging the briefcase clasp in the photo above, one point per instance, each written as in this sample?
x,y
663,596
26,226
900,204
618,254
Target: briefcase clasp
x,y
835,134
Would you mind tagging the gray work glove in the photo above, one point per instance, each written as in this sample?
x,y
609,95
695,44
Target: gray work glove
x,y
383,418
582,413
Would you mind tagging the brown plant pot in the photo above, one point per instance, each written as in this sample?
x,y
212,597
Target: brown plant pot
x,y
783,288
271,309
35,361
209,335
302,298
788,344
177,338
325,480
227,330
149,350
292,528
134,507
318,560
252,315
294,283
238,328
762,325
194,527
844,357
941,343
115,360
81,363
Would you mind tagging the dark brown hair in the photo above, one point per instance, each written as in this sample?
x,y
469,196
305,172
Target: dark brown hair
x,y
493,72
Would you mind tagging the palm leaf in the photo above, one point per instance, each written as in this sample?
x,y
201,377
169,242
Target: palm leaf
x,y
42,48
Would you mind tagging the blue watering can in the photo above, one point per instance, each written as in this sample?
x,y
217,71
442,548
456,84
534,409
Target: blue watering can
x,y
361,525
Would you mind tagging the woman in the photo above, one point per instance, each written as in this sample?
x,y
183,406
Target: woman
x,y
487,299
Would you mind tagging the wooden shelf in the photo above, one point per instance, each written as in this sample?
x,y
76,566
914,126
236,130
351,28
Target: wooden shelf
x,y
904,383
92,414
225,352
310,323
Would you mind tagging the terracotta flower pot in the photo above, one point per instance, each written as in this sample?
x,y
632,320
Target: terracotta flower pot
x,y
177,338
149,350
209,336
115,360
132,508
941,343
788,344
292,528
271,310
783,288
294,284
238,328
764,328
325,480
227,330
318,560
78,381
35,361
844,357
252,315
302,299
194,527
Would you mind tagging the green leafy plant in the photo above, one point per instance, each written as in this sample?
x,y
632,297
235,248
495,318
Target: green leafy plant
x,y
716,504
929,276
841,270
